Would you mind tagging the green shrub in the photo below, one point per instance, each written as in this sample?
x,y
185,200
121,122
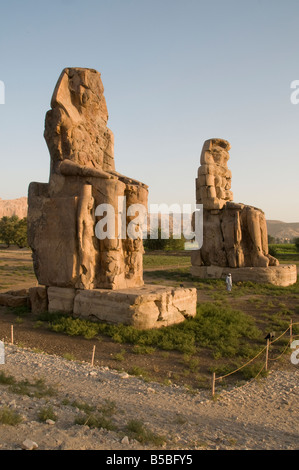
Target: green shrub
x,y
95,421
9,417
137,430
47,412
218,327
273,251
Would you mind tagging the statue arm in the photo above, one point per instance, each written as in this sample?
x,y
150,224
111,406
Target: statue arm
x,y
69,168
126,179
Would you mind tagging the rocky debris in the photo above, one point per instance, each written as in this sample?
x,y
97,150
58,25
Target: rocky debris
x,y
15,298
29,445
38,299
257,415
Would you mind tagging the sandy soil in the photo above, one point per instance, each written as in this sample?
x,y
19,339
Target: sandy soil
x,y
260,415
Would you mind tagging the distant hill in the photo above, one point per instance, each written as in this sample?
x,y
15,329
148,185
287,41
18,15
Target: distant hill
x,y
12,207
282,231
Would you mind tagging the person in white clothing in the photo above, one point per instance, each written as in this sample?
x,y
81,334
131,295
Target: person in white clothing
x,y
229,282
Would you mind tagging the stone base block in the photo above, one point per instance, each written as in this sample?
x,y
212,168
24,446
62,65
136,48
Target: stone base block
x,y
282,275
18,298
38,299
61,299
143,307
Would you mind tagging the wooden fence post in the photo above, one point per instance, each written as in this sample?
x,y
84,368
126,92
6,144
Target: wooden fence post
x,y
213,383
267,354
11,334
291,332
93,353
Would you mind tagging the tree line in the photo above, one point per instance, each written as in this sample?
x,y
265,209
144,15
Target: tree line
x,y
13,231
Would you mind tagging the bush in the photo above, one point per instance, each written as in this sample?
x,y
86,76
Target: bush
x,y
273,250
45,413
296,242
13,231
9,417
164,244
137,430
216,327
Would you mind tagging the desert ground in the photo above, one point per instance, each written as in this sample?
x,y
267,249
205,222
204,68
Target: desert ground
x,y
151,393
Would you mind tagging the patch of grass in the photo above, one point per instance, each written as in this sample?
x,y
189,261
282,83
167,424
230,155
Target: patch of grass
x,y
9,417
220,328
108,408
252,370
191,362
83,406
6,379
95,421
120,356
151,260
142,349
37,389
138,372
47,412
19,311
75,327
69,356
38,324
137,430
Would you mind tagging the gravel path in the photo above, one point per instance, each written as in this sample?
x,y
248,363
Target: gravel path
x,y
261,415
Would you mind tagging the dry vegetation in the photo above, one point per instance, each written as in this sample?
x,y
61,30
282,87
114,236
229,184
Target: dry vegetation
x,y
228,330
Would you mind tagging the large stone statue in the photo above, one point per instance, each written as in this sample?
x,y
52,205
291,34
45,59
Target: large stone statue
x,y
79,271
234,235
66,252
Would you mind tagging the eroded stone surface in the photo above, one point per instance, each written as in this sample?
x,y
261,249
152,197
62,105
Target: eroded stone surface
x,y
14,298
38,299
61,214
61,299
145,307
234,234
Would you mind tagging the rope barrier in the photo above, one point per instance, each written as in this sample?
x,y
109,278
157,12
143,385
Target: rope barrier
x,y
278,357
266,348
244,365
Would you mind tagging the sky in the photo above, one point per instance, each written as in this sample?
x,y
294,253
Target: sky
x,y
175,73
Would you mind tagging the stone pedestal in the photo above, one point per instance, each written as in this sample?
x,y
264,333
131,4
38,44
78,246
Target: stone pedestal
x,y
235,237
282,275
143,307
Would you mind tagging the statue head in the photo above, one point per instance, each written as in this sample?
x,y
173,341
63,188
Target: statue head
x,y
76,126
80,91
214,178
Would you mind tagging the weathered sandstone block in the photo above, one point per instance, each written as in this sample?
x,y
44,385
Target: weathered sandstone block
x,y
145,307
62,214
234,235
14,298
38,299
61,299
